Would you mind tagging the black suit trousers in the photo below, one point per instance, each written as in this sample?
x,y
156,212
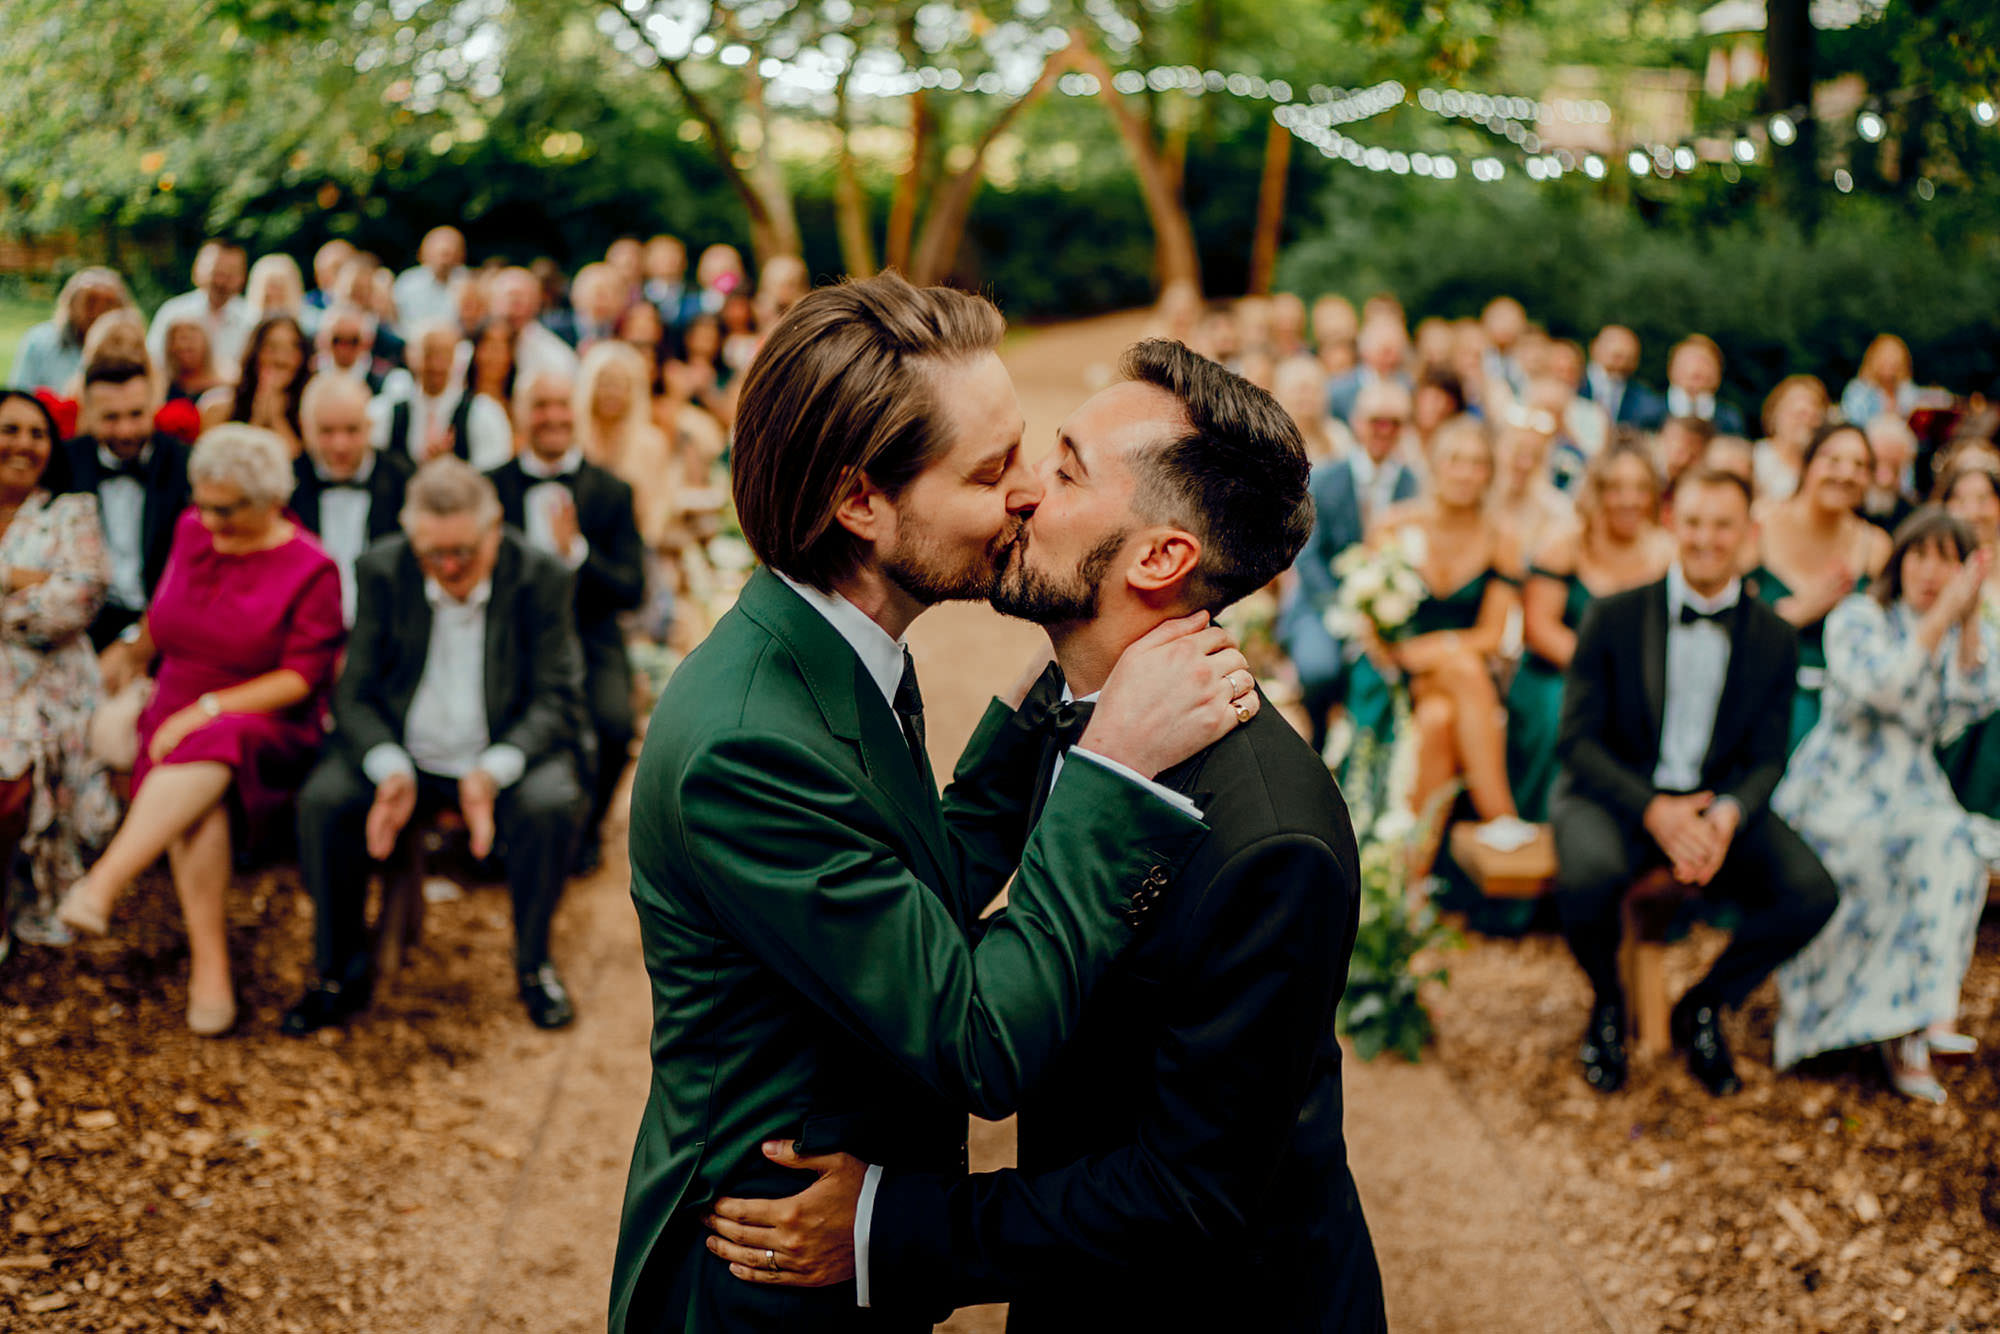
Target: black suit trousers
x,y
1784,893
537,820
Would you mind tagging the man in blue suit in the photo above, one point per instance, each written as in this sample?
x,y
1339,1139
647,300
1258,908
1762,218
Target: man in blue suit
x,y
1383,348
1694,385
1348,493
1608,382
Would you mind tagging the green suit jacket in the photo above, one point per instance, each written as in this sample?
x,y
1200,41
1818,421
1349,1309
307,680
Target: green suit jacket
x,y
820,972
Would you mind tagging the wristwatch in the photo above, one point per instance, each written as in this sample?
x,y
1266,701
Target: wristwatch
x,y
210,705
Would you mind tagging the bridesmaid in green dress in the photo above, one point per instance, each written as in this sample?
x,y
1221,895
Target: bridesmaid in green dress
x,y
1970,490
1617,543
1814,548
1472,567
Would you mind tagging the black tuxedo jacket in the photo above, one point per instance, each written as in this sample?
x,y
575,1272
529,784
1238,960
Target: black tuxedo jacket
x,y
612,577
386,484
166,487
1614,700
1182,1161
534,666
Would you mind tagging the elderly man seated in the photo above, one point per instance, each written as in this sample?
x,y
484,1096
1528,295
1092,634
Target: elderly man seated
x,y
347,495
462,689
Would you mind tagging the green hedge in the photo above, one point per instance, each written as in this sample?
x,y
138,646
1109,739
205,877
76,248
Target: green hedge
x,y
1776,300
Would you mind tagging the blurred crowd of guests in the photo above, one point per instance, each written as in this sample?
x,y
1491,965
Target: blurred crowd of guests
x,y
1536,478
292,567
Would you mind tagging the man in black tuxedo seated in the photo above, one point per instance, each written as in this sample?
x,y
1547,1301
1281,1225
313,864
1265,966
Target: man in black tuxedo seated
x,y
140,478
1673,736
582,515
346,494
462,688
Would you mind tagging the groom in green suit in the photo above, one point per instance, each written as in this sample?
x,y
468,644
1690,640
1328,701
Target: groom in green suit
x,y
810,911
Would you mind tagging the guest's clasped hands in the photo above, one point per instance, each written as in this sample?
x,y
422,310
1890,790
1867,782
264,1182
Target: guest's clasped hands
x,y
1694,831
396,801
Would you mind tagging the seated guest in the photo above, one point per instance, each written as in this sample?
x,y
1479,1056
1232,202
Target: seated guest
x,y
1471,567
275,287
1608,382
1969,488
1524,498
641,329
1287,328
583,516
1348,494
275,370
598,296
1299,385
51,353
666,288
327,262
1694,379
517,307
139,477
246,627
1906,665
613,415
190,365
1335,327
1793,413
696,371
461,691
1889,499
1437,398
740,339
346,344
430,290
1884,385
1673,737
422,412
347,495
219,271
1383,347
54,800
1583,424
1812,550
1680,447
1615,544
780,284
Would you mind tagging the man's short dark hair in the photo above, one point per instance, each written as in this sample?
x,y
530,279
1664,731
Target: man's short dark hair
x,y
1234,476
1704,476
118,371
843,387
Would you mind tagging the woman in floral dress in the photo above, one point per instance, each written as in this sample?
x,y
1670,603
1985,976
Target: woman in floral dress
x,y
1906,663
54,799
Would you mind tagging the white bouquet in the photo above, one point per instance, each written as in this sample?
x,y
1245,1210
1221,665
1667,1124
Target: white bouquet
x,y
1380,586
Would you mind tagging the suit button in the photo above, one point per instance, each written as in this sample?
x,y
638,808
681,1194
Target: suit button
x,y
1157,877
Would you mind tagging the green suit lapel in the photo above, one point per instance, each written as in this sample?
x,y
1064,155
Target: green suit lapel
x,y
853,708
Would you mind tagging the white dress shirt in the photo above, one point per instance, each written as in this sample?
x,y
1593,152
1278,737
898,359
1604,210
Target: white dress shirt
x,y
1680,403
1697,667
542,501
228,328
882,658
491,441
539,348
1374,484
446,732
121,506
1606,390
421,297
343,527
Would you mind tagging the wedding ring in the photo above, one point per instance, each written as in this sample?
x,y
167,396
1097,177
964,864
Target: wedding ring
x,y
1242,713
771,1261
1244,689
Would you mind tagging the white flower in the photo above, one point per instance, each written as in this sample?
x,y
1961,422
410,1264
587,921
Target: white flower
x,y
1391,610
1415,546
730,553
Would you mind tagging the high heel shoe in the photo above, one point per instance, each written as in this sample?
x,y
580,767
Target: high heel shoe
x,y
211,1020
78,913
1907,1060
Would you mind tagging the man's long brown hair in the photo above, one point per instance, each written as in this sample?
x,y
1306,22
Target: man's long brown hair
x,y
844,388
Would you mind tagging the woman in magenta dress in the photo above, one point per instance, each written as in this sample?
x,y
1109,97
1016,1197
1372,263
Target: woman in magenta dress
x,y
246,624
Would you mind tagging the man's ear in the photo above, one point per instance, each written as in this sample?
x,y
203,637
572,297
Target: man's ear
x,y
1165,561
864,509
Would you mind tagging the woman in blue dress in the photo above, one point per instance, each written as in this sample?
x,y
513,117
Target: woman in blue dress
x,y
1617,543
1905,663
1814,548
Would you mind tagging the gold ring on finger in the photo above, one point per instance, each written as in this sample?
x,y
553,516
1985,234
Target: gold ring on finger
x,y
1242,712
771,1261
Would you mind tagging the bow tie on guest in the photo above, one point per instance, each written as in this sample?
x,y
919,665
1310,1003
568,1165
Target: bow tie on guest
x,y
344,484
1046,711
133,471
1722,616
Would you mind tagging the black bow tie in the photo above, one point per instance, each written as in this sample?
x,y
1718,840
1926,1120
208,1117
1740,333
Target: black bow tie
x,y
1722,616
134,471
345,484
1046,711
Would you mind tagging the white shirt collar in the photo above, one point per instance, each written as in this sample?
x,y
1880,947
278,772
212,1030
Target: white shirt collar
x,y
880,655
562,467
434,594
361,474
1680,595
106,459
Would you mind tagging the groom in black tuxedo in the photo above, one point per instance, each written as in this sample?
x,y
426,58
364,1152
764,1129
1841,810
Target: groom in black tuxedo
x,y
1673,737
1182,1161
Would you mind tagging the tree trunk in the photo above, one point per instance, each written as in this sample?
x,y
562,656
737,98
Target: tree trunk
x,y
768,175
1790,44
857,248
910,185
1270,209
944,228
1177,259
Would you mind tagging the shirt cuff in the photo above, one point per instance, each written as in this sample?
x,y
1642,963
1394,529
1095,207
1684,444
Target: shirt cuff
x,y
579,552
1166,794
503,764
385,761
864,1216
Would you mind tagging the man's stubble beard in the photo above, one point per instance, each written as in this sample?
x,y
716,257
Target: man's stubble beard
x,y
918,568
1043,599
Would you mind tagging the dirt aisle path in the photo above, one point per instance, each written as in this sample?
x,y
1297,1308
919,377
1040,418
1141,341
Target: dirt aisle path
x,y
528,1247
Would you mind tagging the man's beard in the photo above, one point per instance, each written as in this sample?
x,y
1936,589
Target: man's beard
x,y
921,566
1047,599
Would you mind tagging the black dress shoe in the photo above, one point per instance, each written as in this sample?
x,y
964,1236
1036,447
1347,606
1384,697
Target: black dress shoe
x,y
326,1003
1603,1049
1697,1030
547,999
